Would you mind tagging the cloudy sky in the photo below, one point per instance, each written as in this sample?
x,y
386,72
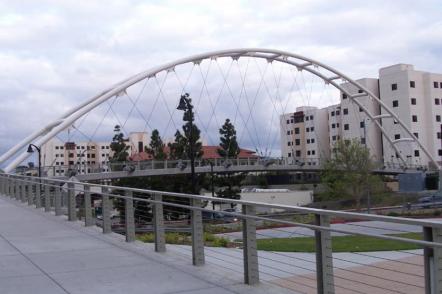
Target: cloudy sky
x,y
54,54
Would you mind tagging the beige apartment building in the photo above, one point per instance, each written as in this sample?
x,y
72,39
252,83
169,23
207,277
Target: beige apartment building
x,y
415,96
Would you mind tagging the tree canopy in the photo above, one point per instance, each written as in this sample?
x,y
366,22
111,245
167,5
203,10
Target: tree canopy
x,y
119,146
348,174
229,147
156,146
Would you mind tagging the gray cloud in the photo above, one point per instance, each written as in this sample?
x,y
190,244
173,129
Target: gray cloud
x,y
55,54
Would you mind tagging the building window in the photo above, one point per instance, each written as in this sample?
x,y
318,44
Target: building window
x,y
441,85
334,138
438,118
344,96
337,125
416,153
307,130
56,147
297,142
436,84
332,113
346,127
413,101
298,153
307,117
436,101
414,118
416,135
439,152
333,126
412,84
397,136
308,141
362,124
360,91
313,152
289,154
337,112
296,131
363,141
395,103
360,109
312,129
393,87
439,135
345,111
312,140
311,117
288,132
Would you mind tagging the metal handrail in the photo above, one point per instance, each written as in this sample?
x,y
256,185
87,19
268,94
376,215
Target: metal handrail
x,y
307,210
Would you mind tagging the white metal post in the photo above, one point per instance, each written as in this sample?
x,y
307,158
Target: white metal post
x,y
250,254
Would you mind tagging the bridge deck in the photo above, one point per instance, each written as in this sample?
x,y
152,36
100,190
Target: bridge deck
x,y
42,253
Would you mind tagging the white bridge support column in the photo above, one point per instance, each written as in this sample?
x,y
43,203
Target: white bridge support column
x,y
250,252
197,234
433,261
129,213
158,224
324,257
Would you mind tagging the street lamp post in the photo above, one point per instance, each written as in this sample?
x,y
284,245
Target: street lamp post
x,y
367,120
31,150
185,105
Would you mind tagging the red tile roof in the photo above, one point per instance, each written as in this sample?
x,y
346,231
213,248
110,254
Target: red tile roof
x,y
209,152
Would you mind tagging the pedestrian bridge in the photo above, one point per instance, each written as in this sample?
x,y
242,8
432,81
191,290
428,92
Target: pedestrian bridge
x,y
49,243
174,167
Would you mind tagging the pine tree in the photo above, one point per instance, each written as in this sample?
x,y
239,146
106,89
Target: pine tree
x,y
156,146
229,144
118,146
229,183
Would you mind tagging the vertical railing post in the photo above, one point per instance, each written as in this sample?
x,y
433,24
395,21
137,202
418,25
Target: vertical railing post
x,y
22,189
105,213
57,199
197,233
324,257
72,202
129,214
38,194
17,189
47,196
30,191
88,219
158,223
251,266
433,261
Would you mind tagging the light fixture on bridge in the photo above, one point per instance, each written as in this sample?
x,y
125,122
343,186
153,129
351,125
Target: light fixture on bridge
x,y
129,168
269,162
227,163
181,165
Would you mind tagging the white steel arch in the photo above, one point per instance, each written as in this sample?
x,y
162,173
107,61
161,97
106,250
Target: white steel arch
x,y
40,137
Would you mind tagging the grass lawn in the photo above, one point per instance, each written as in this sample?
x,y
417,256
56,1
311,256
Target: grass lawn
x,y
352,243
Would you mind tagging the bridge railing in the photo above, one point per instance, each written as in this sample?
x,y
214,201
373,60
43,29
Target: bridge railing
x,y
302,249
299,163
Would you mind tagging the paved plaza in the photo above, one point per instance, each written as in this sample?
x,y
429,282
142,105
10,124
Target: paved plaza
x,y
42,253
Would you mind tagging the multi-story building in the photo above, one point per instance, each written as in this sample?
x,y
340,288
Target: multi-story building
x,y
85,157
304,135
415,97
355,123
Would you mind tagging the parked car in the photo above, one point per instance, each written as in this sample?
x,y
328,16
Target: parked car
x,y
430,201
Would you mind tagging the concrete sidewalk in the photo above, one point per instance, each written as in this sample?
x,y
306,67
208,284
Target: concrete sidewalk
x,y
42,253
